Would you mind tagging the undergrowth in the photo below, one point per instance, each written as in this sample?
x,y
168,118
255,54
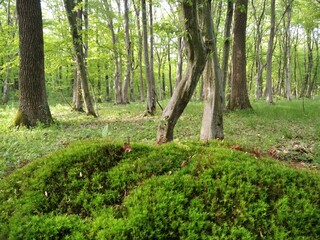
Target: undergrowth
x,y
287,130
94,190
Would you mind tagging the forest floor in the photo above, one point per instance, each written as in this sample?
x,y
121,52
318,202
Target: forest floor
x,y
288,131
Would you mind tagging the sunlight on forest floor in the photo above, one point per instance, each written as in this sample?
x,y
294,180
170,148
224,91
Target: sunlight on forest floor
x,y
285,130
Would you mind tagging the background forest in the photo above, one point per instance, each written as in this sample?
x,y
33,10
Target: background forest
x,y
295,56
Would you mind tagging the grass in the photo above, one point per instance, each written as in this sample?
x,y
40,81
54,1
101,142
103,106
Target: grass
x,y
285,129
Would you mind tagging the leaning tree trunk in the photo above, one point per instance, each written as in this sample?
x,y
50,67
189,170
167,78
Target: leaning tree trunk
x,y
212,120
33,105
239,98
197,57
78,49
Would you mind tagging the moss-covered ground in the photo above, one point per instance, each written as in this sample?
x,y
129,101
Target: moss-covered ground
x,y
93,190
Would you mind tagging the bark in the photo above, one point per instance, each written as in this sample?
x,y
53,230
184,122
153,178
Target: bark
x,y
269,94
308,76
33,105
128,54
226,49
80,57
6,84
77,103
197,57
179,63
116,56
257,43
314,69
239,94
140,48
212,120
170,69
288,55
151,93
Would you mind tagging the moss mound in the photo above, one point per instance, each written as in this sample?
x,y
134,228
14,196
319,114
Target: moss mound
x,y
92,190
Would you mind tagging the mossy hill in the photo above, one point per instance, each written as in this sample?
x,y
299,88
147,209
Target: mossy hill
x,y
93,190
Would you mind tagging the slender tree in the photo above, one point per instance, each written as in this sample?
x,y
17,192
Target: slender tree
x,y
128,54
212,120
269,94
226,48
197,57
239,98
77,42
33,104
151,93
140,48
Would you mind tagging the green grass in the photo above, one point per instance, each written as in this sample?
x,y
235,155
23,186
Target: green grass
x,y
285,128
91,190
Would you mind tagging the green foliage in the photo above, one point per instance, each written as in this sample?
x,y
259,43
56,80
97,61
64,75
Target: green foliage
x,y
92,190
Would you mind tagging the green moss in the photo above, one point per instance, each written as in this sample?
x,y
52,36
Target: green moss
x,y
21,119
91,190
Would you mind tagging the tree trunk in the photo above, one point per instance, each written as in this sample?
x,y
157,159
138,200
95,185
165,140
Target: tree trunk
x,y
6,84
116,56
197,57
33,105
269,94
77,103
151,93
128,54
179,63
212,120
257,46
239,93
170,69
78,49
288,55
226,49
140,48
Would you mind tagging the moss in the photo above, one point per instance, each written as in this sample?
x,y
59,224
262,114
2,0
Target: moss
x,y
21,119
94,190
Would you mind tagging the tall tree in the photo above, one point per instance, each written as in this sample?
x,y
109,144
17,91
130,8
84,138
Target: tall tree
x,y
239,98
258,18
33,104
269,94
151,93
197,57
77,42
128,54
116,53
226,48
140,47
287,54
212,120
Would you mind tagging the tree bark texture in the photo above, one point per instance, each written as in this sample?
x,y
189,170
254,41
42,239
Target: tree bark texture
x,y
212,120
226,48
128,54
140,47
197,57
33,105
77,43
269,93
239,93
151,92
